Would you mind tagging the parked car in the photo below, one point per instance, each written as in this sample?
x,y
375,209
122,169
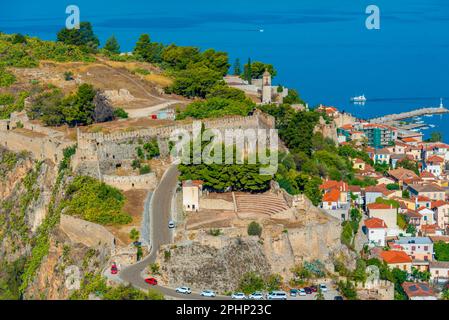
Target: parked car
x,y
238,296
184,290
208,293
171,224
256,296
323,287
314,288
151,281
114,269
338,298
302,292
293,292
277,295
308,290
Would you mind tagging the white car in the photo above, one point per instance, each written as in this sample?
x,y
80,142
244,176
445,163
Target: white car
x,y
256,296
323,287
277,295
208,293
238,296
171,224
184,290
302,292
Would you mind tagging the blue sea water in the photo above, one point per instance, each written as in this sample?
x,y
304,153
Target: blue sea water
x,y
320,47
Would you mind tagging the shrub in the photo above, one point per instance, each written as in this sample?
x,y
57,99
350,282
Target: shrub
x,y
251,282
95,201
145,169
6,78
120,113
254,229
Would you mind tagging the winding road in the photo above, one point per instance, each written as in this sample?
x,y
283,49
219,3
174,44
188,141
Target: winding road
x,y
160,234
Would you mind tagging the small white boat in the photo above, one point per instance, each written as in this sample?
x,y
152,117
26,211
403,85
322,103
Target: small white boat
x,y
361,98
419,122
428,115
432,125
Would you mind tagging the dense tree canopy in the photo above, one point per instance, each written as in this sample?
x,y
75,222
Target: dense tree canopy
x,y
94,201
83,37
258,68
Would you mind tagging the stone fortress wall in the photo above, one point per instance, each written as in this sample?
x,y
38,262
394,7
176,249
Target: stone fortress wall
x,y
19,134
98,153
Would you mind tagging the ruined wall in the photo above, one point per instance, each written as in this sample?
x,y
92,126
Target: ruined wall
x,y
19,134
125,183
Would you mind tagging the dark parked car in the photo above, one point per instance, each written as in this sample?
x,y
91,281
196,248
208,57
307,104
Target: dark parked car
x,y
338,298
314,288
308,290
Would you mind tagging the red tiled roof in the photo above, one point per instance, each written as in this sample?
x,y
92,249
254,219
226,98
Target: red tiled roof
x,y
375,223
435,159
332,196
394,256
414,289
379,206
426,174
439,203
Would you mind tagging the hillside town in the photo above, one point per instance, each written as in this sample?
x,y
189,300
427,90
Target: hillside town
x,y
90,181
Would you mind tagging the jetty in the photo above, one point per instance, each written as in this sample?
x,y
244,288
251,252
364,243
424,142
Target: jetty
x,y
409,114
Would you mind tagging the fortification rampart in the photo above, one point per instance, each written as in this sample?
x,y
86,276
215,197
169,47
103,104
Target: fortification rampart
x,y
19,134
97,152
125,183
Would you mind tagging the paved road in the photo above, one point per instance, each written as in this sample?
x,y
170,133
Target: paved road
x,y
160,235
160,212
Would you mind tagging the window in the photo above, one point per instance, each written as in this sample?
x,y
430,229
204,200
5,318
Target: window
x,y
426,248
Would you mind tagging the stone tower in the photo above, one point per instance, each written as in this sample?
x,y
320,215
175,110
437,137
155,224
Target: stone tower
x,y
266,87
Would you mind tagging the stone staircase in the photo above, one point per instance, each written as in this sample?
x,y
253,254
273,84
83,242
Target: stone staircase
x,y
255,205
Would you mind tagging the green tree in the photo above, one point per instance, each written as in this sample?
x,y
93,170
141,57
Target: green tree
x,y
120,113
112,45
347,289
441,251
83,37
435,137
194,82
147,50
445,294
19,38
254,229
134,235
256,69
251,282
274,282
248,71
237,67
319,295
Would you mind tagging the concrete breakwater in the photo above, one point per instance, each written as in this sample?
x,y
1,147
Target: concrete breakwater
x,y
409,114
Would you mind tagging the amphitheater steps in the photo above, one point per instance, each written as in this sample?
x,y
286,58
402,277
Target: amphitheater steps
x,y
254,205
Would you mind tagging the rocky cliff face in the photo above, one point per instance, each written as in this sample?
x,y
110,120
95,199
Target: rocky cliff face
x,y
303,234
34,254
207,266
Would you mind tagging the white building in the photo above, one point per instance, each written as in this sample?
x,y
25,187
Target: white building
x,y
191,193
376,230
